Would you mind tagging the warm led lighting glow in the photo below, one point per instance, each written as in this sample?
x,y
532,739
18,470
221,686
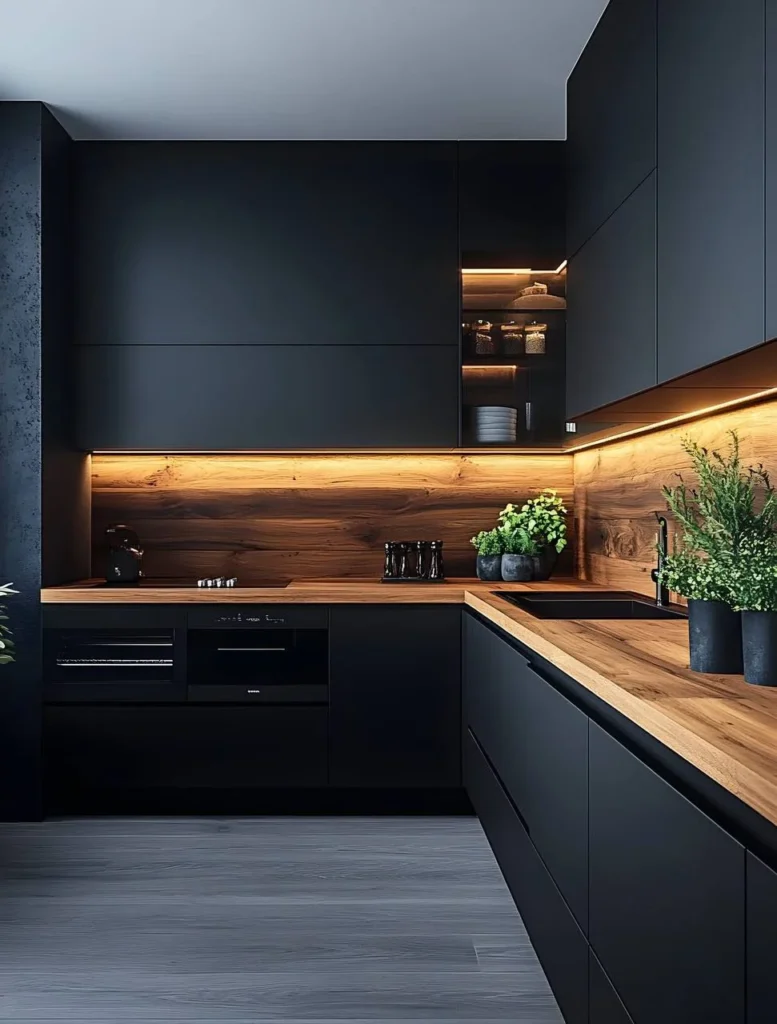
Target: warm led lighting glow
x,y
513,270
673,420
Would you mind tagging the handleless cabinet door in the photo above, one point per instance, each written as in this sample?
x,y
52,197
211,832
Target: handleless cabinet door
x,y
268,243
395,696
771,169
537,742
761,942
611,316
667,895
710,181
611,116
604,1006
202,397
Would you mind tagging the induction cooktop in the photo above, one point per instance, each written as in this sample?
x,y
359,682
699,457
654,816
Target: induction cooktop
x,y
205,583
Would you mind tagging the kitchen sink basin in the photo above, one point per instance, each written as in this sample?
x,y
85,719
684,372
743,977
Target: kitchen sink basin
x,y
603,604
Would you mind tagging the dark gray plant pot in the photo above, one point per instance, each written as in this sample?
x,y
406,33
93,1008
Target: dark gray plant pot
x,y
544,563
489,567
517,568
715,634
759,647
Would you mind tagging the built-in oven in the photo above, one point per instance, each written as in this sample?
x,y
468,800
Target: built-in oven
x,y
275,654
132,654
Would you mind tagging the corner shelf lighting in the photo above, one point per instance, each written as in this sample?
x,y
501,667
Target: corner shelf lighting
x,y
513,270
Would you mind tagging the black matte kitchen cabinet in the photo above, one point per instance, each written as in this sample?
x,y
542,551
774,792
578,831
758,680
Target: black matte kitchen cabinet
x,y
269,243
710,181
611,116
537,742
761,942
667,899
98,749
511,204
611,307
560,945
201,397
395,696
771,170
604,1006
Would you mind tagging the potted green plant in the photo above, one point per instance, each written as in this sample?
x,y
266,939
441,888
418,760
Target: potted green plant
x,y
714,628
730,506
6,637
754,589
520,551
543,521
489,545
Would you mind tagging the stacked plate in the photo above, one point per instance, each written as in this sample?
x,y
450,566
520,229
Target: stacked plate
x,y
495,423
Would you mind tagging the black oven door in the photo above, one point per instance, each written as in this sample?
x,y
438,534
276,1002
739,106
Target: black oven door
x,y
258,666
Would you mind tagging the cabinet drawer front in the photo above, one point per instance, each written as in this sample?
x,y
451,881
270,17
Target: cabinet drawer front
x,y
103,748
537,741
226,397
761,941
560,945
666,895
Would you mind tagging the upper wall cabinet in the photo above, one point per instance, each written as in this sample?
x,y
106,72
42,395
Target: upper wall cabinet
x,y
611,116
511,204
209,243
710,181
217,397
611,295
771,169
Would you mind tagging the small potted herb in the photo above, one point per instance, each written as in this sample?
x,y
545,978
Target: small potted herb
x,y
520,552
754,586
6,637
732,509
543,521
489,545
714,628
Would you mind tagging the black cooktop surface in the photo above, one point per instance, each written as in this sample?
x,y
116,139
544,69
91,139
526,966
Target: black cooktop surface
x,y
172,582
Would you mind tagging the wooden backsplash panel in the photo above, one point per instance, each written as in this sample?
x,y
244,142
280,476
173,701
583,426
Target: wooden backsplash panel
x,y
279,516
618,489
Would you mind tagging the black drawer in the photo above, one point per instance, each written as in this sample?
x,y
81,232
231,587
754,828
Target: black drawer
x,y
129,748
558,941
268,616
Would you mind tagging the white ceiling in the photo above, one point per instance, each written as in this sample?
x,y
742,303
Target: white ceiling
x,y
297,69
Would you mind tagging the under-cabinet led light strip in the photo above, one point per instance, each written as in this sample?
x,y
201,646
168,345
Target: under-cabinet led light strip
x,y
512,270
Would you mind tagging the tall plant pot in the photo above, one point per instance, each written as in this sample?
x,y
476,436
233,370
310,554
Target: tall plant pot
x,y
715,633
517,568
489,567
544,563
759,646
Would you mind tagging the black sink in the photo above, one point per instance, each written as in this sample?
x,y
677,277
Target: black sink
x,y
604,604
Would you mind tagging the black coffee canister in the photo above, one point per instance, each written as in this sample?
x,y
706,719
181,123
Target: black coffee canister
x,y
759,642
715,633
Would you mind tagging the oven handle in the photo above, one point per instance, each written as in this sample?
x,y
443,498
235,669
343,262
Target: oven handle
x,y
250,648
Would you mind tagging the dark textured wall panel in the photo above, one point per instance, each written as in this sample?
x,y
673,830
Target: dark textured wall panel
x,y
20,452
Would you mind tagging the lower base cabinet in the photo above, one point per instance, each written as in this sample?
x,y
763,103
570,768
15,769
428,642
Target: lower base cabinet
x,y
761,942
94,748
604,1006
560,945
666,896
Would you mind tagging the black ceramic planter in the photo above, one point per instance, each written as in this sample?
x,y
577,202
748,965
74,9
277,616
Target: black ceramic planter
x,y
715,632
759,646
517,568
489,567
544,564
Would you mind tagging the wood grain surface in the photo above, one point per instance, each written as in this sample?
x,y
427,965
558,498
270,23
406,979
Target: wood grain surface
x,y
618,491
262,920
722,726
317,516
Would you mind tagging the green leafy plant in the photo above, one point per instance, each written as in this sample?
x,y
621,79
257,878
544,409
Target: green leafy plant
x,y
6,637
752,575
697,577
488,542
518,541
731,502
542,520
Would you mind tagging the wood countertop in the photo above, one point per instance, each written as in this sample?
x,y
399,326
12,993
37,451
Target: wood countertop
x,y
719,724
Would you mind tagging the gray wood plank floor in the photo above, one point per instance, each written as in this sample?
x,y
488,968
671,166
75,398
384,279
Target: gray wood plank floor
x,y
261,920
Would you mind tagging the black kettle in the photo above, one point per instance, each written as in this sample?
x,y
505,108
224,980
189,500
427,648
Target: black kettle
x,y
124,555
